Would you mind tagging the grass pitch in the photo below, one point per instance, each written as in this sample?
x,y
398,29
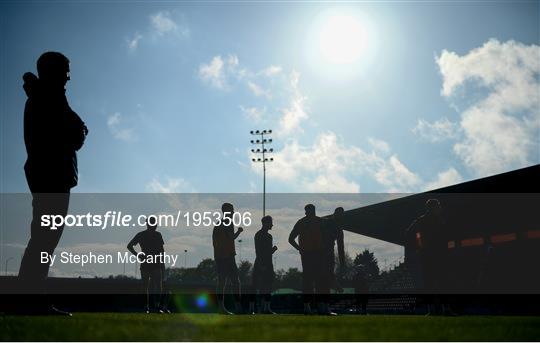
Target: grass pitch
x,y
213,327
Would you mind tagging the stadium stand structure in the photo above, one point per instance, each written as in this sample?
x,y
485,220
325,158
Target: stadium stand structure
x,y
492,229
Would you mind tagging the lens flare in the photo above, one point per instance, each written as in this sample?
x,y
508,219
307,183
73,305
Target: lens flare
x,y
202,300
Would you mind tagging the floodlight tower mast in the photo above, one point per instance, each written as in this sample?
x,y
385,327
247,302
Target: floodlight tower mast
x,y
263,142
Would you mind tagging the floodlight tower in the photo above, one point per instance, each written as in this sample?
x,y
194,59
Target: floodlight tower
x,y
263,141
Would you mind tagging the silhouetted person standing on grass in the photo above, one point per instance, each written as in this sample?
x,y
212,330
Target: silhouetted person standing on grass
x,y
431,248
53,133
263,268
223,238
308,230
331,234
151,243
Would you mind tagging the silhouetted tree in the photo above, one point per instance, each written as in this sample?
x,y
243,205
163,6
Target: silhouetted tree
x,y
204,273
292,279
206,270
278,278
367,263
244,272
347,269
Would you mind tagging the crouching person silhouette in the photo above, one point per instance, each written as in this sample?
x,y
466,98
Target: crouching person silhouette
x,y
53,133
152,270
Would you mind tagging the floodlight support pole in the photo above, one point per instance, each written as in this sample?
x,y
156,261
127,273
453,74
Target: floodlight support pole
x,y
264,159
264,177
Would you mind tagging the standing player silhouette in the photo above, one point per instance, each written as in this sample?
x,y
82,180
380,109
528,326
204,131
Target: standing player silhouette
x,y
263,268
431,248
151,243
331,234
308,231
223,237
53,133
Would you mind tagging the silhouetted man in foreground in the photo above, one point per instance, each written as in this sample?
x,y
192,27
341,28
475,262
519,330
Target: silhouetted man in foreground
x,y
151,243
223,238
53,133
427,231
263,268
331,233
309,232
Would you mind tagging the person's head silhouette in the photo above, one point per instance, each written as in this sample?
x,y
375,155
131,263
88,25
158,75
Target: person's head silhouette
x,y
227,209
338,214
267,223
310,210
151,223
53,69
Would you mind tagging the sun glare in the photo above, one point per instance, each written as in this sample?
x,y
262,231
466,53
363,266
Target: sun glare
x,y
342,39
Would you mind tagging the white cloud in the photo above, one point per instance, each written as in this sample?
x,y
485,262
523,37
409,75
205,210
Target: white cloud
x,y
379,145
295,113
445,178
133,43
314,168
233,61
258,90
437,131
254,114
396,176
219,72
213,72
331,183
272,70
114,123
163,23
500,131
172,185
223,73
330,166
113,119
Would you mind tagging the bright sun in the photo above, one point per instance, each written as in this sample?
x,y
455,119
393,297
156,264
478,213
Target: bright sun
x,y
342,39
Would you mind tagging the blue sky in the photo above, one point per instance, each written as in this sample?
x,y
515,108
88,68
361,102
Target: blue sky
x,y
164,115
440,93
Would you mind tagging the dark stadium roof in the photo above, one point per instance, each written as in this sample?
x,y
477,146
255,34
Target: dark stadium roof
x,y
477,207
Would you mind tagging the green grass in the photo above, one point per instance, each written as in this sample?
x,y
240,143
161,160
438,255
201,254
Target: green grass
x,y
213,327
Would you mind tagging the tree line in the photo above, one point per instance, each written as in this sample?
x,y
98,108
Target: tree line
x,y
358,272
